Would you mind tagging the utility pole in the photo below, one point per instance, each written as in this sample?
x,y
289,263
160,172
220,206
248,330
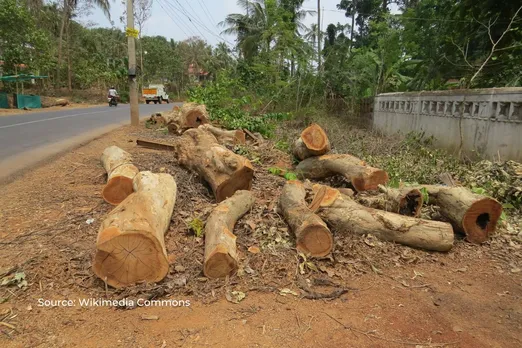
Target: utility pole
x,y
318,35
131,42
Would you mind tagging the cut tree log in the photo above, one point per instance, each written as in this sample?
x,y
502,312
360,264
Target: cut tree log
x,y
190,115
345,215
312,142
221,257
474,215
225,171
120,173
404,201
130,244
311,233
361,176
48,102
225,137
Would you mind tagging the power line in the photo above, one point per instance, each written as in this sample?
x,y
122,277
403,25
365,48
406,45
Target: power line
x,y
174,20
186,15
207,12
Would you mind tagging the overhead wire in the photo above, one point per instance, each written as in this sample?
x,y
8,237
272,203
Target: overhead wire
x,y
173,19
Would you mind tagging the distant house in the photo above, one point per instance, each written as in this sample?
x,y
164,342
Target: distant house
x,y
200,75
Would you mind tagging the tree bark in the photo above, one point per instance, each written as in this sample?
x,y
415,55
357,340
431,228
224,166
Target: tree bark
x,y
404,201
346,216
474,215
190,115
120,174
361,176
225,137
221,257
130,244
225,171
312,142
311,233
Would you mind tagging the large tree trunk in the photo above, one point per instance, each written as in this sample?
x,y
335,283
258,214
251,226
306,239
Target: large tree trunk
x,y
120,174
222,169
345,215
312,142
404,201
221,257
65,19
361,176
226,137
311,233
473,214
130,244
190,115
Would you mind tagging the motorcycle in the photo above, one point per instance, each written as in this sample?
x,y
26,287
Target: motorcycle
x,y
113,101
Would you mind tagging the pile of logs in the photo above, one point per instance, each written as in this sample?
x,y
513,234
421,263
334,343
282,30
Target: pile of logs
x,y
387,213
131,245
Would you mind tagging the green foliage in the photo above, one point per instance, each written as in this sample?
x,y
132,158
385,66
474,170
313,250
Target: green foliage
x,y
290,176
230,105
197,226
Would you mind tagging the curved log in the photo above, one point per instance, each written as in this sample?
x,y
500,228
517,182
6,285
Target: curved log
x,y
361,176
312,142
404,201
347,216
130,244
120,173
225,137
225,171
221,257
312,235
470,213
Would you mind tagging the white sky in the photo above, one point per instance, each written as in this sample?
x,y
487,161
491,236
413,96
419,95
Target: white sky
x,y
168,18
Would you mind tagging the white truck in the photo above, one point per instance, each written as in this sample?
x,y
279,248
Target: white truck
x,y
155,93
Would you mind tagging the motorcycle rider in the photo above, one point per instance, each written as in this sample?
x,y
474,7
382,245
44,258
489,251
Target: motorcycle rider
x,y
112,92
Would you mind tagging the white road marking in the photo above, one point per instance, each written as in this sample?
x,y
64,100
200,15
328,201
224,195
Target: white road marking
x,y
52,118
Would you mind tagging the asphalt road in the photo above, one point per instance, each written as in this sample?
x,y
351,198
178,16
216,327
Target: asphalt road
x,y
23,136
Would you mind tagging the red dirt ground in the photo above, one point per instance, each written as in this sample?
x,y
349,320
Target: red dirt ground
x,y
397,296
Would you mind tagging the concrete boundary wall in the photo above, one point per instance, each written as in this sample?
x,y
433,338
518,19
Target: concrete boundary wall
x,y
491,118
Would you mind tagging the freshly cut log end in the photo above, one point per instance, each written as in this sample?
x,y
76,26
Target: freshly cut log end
x,y
239,180
470,213
123,259
312,142
345,215
362,177
315,239
117,189
221,257
130,244
369,179
480,220
312,235
225,171
120,174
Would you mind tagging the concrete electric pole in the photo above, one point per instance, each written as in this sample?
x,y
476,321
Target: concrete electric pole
x,y
133,87
319,35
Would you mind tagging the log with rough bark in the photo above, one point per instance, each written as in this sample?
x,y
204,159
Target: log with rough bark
x,y
225,171
312,142
225,137
120,173
190,115
221,257
474,215
362,176
48,102
311,233
345,215
130,244
404,201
